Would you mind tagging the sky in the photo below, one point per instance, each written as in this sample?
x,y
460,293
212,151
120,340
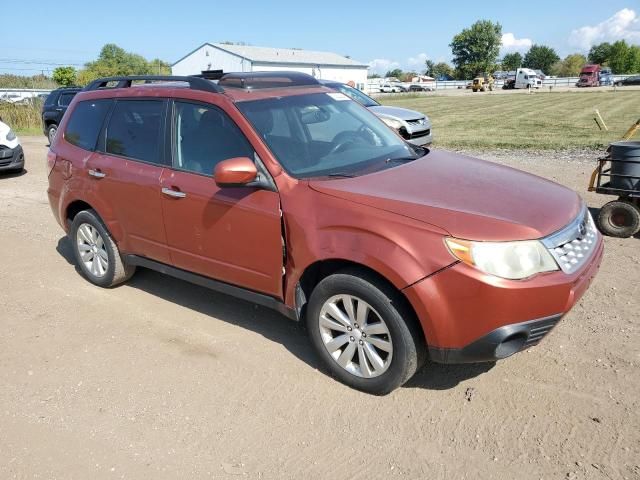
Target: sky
x,y
381,34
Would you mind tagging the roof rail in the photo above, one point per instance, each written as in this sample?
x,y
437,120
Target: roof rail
x,y
258,80
195,83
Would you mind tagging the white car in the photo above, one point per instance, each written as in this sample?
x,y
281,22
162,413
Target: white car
x,y
11,154
414,127
11,97
392,87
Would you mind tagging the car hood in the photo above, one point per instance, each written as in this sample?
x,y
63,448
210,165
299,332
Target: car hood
x,y
401,113
469,198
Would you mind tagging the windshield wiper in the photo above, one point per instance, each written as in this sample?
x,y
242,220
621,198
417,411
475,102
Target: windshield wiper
x,y
341,174
401,159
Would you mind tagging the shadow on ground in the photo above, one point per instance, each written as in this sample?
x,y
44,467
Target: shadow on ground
x,y
268,323
13,174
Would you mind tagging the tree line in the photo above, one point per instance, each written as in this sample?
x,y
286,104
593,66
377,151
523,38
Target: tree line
x,y
476,52
112,61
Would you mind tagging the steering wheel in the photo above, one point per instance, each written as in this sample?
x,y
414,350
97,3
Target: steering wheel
x,y
345,139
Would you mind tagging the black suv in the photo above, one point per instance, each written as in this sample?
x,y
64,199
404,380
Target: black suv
x,y
53,109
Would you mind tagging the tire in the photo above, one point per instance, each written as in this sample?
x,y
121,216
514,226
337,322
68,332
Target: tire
x,y
88,230
387,312
52,130
619,219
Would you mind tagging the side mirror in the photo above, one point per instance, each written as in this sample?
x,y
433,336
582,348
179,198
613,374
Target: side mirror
x,y
235,172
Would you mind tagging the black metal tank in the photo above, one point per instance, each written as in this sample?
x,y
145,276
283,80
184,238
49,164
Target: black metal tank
x,y
625,158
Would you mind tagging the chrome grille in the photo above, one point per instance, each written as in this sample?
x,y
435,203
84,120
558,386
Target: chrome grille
x,y
572,246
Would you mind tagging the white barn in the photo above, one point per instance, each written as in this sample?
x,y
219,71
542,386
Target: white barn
x,y
245,58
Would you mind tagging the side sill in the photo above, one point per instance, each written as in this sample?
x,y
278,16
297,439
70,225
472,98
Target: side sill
x,y
222,287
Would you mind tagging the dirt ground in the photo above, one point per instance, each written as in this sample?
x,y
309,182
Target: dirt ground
x,y
162,379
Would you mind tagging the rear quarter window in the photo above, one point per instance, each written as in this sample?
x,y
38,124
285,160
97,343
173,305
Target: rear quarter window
x,y
86,122
51,99
65,98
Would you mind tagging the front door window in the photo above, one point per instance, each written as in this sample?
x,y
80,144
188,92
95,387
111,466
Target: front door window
x,y
206,136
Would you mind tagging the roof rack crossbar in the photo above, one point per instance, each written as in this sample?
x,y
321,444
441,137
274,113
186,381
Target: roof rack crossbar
x,y
195,83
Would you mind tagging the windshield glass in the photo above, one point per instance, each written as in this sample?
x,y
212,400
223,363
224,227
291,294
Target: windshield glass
x,y
355,94
324,134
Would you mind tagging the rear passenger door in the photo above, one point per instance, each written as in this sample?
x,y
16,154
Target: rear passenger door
x,y
126,171
230,234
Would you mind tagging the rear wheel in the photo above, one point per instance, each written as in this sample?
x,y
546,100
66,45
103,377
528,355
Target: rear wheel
x,y
619,219
52,130
96,252
363,332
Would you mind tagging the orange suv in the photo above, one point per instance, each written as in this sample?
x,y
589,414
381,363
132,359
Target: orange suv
x,y
280,191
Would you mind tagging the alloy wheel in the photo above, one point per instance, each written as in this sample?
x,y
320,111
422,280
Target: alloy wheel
x,y
355,336
93,252
52,135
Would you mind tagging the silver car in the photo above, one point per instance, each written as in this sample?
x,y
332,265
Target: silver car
x,y
414,127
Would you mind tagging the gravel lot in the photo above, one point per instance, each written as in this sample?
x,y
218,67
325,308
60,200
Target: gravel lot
x,y
162,379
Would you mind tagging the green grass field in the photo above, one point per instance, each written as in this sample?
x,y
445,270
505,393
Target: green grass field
x,y
23,119
540,121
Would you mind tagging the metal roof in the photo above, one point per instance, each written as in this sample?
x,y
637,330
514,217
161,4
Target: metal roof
x,y
290,56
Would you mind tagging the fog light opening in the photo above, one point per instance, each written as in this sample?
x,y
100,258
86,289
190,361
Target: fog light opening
x,y
510,345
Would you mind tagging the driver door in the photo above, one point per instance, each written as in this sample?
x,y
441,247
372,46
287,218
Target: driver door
x,y
229,234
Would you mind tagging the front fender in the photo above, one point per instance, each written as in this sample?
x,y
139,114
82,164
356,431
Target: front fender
x,y
400,249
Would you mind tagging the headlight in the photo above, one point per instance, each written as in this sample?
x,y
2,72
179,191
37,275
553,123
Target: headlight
x,y
512,260
392,122
11,136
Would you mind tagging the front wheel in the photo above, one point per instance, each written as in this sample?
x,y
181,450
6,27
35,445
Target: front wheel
x,y
619,219
364,333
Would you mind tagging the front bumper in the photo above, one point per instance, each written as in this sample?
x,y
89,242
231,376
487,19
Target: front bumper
x,y
422,141
467,315
417,137
11,158
499,343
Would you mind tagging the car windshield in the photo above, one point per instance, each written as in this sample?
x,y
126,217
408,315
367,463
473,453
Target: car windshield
x,y
355,94
326,134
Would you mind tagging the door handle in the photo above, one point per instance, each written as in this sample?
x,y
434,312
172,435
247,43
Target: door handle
x,y
173,193
97,173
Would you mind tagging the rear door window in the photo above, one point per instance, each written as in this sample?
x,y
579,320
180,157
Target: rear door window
x,y
135,130
86,122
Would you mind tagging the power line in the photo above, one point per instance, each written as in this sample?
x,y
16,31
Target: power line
x,y
38,62
25,69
